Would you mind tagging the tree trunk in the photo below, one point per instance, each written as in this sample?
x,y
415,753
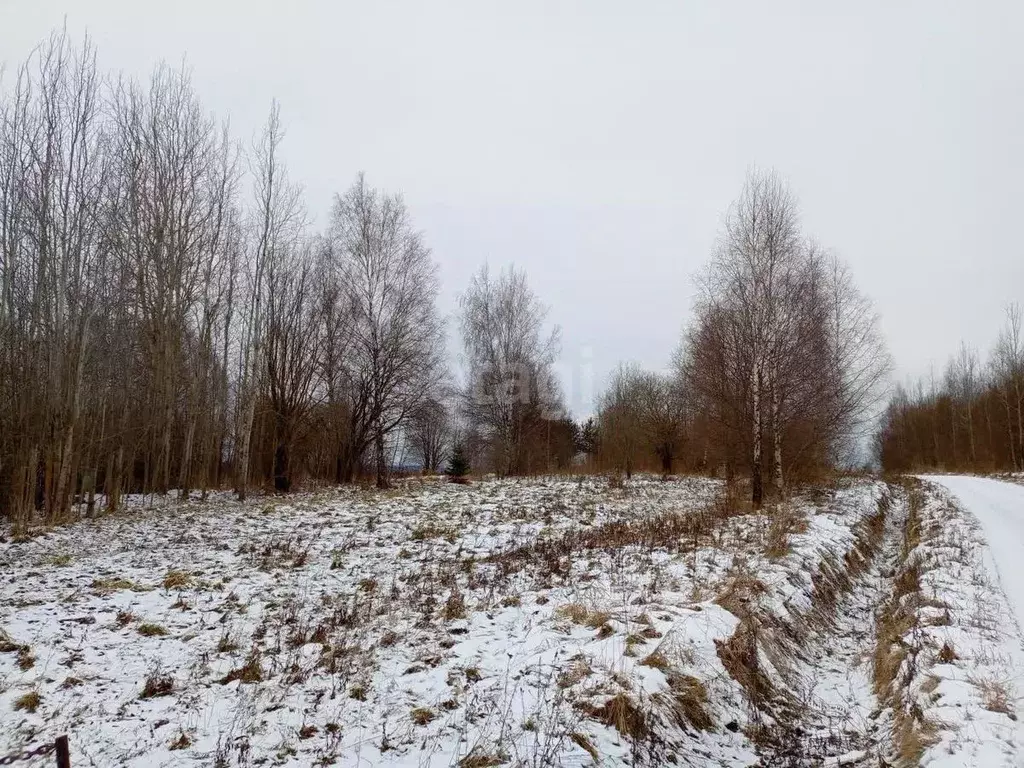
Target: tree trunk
x,y
382,467
1009,427
184,474
62,492
1020,422
115,481
756,488
777,479
244,439
970,436
282,472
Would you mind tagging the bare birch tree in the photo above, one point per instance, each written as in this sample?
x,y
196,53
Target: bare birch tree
x,y
511,384
395,342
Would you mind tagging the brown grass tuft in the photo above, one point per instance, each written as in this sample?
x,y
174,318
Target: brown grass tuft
x,y
621,714
480,759
176,580
29,702
739,656
455,606
690,697
157,685
655,660
946,654
584,743
250,672
785,521
996,696
422,715
181,741
578,670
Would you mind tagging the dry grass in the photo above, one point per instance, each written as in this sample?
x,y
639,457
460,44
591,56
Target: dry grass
x,y
583,742
422,715
250,672
151,630
656,660
157,685
480,759
455,607
785,522
226,643
577,613
114,584
996,696
622,714
946,654
181,741
176,580
428,531
690,699
574,673
741,591
26,659
357,692
739,656
7,645
912,734
28,702
672,532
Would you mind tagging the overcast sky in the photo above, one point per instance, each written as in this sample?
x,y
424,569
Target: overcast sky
x,y
597,144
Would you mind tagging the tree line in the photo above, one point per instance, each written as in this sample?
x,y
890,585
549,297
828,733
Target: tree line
x,y
170,319
970,419
780,371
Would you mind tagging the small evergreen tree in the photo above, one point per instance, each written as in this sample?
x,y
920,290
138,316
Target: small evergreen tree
x,y
458,465
587,437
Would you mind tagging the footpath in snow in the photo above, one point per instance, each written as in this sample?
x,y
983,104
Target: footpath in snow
x,y
960,605
999,508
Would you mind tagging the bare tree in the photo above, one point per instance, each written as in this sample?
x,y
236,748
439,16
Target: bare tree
x,y
292,347
511,386
782,340
621,420
430,433
53,259
759,250
395,341
1008,368
276,221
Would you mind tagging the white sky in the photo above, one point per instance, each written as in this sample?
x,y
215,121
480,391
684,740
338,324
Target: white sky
x,y
597,144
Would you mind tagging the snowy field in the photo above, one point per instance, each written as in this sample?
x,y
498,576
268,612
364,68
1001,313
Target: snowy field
x,y
534,622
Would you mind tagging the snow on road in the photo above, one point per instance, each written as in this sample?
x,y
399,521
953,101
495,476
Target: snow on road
x,y
970,560
999,508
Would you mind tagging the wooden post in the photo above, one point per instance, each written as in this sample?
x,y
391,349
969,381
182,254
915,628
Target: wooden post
x,y
63,752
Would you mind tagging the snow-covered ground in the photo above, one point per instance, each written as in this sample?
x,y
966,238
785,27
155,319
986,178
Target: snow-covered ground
x,y
959,645
532,622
